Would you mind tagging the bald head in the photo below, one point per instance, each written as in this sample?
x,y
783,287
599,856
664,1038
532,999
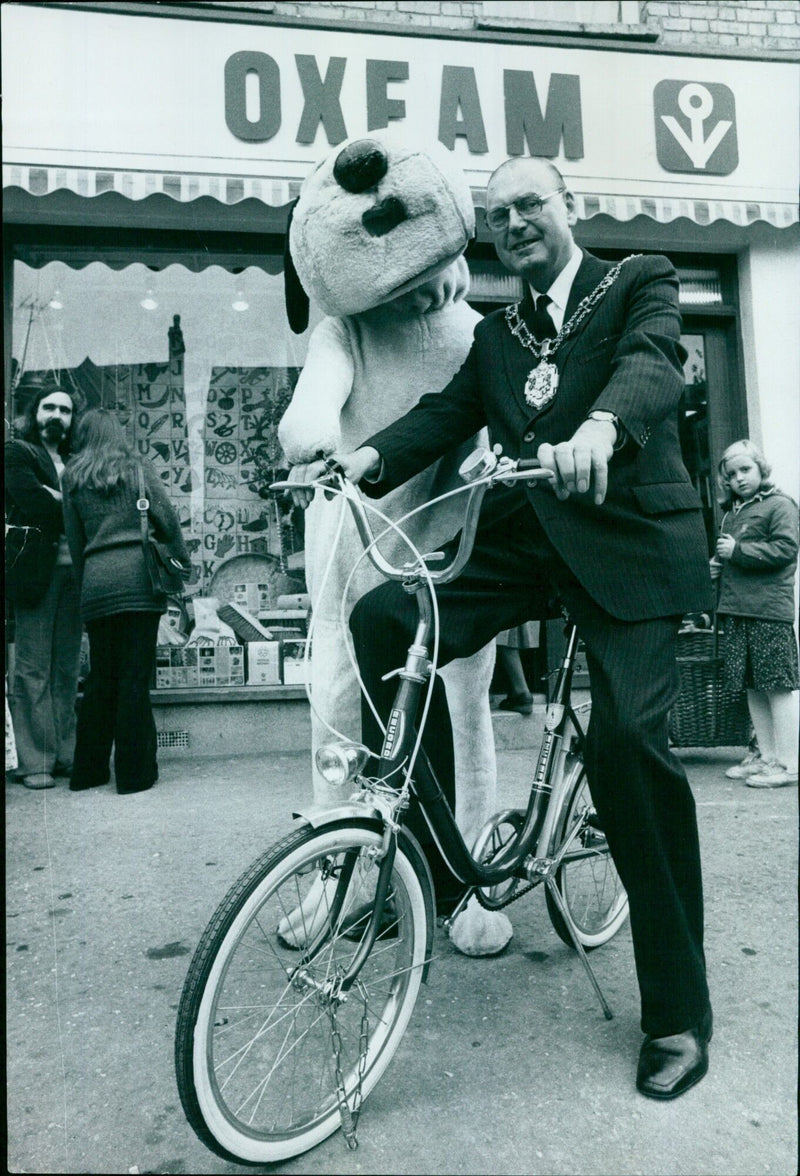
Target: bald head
x,y
532,166
532,237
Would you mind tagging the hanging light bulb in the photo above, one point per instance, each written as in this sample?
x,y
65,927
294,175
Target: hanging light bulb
x,y
55,302
240,302
149,302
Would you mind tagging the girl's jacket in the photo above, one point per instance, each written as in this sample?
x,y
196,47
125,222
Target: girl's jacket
x,y
758,579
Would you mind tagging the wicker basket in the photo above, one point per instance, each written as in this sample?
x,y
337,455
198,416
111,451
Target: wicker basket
x,y
706,713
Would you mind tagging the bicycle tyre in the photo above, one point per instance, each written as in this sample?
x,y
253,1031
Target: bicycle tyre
x,y
590,887
253,1050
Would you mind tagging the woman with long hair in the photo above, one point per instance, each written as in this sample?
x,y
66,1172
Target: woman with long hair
x,y
118,604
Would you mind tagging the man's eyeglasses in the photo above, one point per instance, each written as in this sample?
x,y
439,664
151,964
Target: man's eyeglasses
x,y
528,207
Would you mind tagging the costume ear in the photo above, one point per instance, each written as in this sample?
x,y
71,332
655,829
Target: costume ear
x,y
295,296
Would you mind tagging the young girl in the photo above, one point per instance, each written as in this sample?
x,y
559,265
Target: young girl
x,y
756,557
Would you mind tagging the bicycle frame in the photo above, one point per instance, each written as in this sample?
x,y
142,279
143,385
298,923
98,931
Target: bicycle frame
x,y
528,855
538,831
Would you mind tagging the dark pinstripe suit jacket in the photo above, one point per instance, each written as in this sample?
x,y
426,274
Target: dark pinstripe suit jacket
x,y
643,552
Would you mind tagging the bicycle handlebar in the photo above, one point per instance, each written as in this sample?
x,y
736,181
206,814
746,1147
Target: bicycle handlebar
x,y
479,471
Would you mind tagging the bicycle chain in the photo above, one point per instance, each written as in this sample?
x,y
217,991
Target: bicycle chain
x,y
517,895
345,1115
349,1116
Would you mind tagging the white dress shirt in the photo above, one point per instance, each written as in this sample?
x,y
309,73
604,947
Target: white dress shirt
x,y
560,289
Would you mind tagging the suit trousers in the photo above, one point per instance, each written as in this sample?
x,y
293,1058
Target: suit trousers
x,y
116,706
47,653
638,786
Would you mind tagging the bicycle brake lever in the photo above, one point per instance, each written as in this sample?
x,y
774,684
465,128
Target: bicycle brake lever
x,y
332,466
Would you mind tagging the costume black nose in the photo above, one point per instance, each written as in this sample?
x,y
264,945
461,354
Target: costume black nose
x,y
382,218
360,165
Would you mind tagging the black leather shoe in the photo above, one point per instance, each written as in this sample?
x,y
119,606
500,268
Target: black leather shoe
x,y
669,1066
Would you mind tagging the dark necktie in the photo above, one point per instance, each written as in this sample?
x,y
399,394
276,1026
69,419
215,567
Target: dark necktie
x,y
541,322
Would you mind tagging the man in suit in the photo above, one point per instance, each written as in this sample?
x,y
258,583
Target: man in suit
x,y
41,585
619,536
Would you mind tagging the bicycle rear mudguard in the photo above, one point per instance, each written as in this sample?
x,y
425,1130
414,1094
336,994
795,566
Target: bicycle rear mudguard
x,y
317,818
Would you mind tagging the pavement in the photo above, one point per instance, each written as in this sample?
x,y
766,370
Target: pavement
x,y
508,1065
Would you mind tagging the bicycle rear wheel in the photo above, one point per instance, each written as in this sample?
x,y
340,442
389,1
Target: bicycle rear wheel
x,y
262,1064
587,878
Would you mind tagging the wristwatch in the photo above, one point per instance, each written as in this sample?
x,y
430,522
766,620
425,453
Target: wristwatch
x,y
599,414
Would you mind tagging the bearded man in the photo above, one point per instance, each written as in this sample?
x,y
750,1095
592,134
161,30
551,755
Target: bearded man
x,y
41,586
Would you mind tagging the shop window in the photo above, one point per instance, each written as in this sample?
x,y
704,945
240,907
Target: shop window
x,y
199,367
693,424
700,287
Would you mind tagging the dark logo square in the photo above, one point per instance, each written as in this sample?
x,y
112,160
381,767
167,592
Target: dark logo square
x,y
695,127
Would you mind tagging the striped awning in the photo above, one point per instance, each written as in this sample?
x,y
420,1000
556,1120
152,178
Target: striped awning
x,y
228,189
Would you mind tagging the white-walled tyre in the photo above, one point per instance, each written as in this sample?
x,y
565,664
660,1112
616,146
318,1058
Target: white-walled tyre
x,y
254,1049
588,882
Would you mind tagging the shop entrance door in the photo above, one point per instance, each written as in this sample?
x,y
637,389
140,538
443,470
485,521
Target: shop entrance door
x,y
712,412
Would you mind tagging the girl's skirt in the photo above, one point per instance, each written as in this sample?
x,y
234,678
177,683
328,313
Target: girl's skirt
x,y
760,655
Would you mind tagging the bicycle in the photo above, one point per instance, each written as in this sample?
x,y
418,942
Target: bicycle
x,y
279,1042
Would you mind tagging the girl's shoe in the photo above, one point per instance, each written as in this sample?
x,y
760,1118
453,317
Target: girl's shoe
x,y
750,765
521,703
772,775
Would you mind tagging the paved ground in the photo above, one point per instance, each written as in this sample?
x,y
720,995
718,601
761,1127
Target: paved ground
x,y
508,1066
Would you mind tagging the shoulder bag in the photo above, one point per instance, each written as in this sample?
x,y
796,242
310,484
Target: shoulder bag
x,y
167,573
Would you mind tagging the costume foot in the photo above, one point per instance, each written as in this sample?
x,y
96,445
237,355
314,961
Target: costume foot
x,y
478,932
39,780
301,926
669,1066
356,922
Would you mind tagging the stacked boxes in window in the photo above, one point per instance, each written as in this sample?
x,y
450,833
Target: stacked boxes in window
x,y
253,597
221,665
183,667
263,663
295,670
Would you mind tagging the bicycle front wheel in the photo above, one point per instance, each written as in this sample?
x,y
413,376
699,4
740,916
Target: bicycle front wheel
x,y
587,878
270,1058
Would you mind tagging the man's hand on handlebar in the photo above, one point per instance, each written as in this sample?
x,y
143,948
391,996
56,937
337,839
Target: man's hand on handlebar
x,y
356,465
580,465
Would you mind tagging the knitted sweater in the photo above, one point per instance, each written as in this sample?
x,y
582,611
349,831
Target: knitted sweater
x,y
758,579
105,542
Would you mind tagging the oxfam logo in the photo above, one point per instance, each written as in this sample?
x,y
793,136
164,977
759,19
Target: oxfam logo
x,y
695,127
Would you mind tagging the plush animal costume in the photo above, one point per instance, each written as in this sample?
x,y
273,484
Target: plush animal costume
x,y
376,239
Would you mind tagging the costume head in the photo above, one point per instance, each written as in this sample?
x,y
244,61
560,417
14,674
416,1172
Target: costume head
x,y
375,219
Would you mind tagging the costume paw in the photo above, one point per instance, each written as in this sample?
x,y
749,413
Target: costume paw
x,y
478,932
301,925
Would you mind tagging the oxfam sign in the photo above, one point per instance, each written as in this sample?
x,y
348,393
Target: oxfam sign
x,y
254,107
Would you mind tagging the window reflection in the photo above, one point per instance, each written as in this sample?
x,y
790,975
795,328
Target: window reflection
x,y
200,368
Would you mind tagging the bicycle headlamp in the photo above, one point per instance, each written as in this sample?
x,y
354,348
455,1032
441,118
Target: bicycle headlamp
x,y
481,461
339,763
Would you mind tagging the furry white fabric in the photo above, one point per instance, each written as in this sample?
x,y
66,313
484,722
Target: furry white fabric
x,y
363,370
